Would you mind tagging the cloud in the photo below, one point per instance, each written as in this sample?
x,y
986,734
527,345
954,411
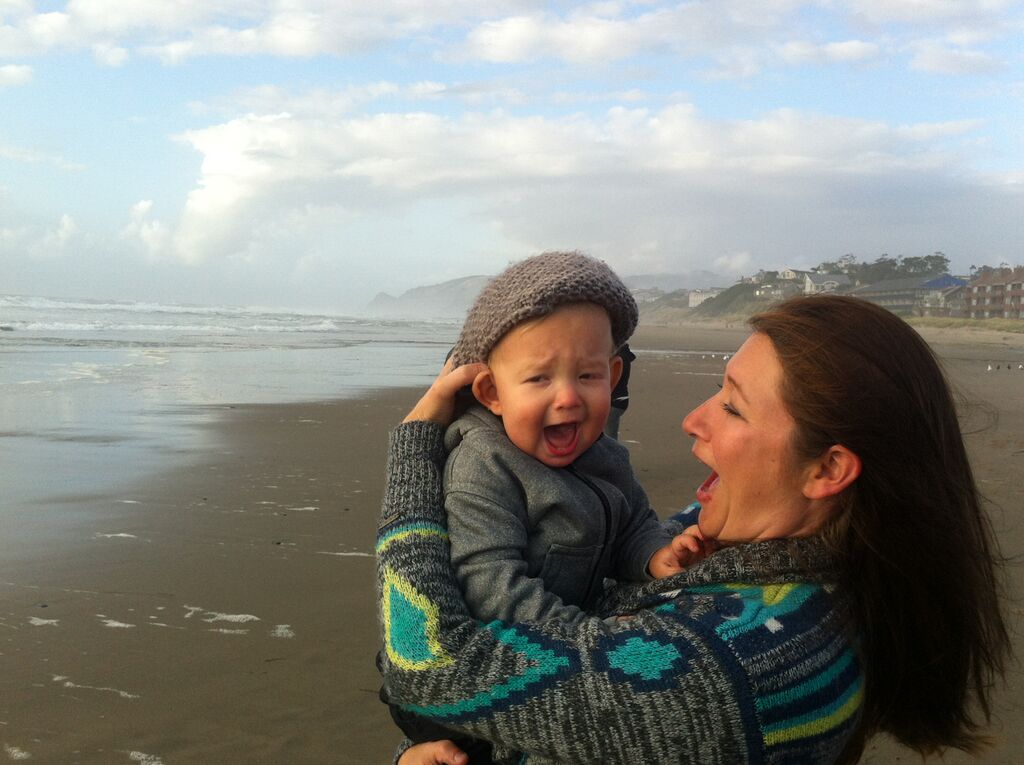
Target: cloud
x,y
605,32
799,52
14,74
58,238
288,34
736,39
478,130
109,55
473,93
931,11
645,189
931,131
176,30
324,102
585,39
14,8
491,30
39,242
737,263
151,234
379,95
938,59
11,237
34,156
732,39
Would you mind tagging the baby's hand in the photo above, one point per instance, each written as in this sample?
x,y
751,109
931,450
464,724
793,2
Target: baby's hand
x,y
684,550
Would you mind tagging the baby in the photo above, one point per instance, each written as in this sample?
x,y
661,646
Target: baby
x,y
541,509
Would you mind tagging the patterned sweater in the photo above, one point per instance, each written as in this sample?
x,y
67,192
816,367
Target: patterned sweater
x,y
746,657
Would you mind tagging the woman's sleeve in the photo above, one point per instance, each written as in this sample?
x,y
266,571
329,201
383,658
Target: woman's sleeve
x,y
581,693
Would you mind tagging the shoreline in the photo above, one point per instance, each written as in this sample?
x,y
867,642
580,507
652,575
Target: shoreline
x,y
223,610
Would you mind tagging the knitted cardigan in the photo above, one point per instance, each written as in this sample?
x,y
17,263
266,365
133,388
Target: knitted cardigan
x,y
747,657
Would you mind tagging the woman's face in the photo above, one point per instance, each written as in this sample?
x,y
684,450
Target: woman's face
x,y
745,434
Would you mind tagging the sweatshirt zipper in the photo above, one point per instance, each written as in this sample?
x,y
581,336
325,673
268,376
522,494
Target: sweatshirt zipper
x,y
606,506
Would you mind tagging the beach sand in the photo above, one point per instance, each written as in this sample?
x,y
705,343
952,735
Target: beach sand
x,y
224,611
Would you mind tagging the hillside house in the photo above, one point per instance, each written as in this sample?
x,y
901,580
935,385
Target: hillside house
x,y
777,290
792,275
815,283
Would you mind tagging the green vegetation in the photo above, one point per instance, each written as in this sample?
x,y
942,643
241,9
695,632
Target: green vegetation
x,y
672,308
941,322
737,301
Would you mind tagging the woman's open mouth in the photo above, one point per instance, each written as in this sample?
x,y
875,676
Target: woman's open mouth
x,y
705,490
562,439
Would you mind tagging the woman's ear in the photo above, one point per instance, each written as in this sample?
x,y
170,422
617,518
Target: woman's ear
x,y
831,473
486,391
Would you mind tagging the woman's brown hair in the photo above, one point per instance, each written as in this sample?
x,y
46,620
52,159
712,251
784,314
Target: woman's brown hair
x,y
920,564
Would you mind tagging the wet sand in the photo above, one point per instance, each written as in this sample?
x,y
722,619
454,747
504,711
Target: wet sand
x,y
224,611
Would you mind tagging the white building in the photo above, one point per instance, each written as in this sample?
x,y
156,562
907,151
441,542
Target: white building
x,y
698,296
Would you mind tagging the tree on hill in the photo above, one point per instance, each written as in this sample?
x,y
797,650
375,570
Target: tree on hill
x,y
883,268
936,263
886,267
845,265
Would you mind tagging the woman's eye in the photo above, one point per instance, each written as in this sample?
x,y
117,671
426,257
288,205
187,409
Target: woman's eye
x,y
727,407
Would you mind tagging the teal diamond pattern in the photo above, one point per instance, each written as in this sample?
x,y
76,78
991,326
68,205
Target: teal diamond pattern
x,y
546,662
646,659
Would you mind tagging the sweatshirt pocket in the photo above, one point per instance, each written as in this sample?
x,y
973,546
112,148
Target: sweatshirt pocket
x,y
568,572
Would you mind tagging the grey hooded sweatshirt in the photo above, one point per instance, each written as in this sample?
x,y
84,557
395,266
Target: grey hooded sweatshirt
x,y
531,542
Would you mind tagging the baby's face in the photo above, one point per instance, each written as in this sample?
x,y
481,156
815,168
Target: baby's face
x,y
553,380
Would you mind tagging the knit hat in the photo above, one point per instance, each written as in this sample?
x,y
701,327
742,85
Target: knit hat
x,y
535,287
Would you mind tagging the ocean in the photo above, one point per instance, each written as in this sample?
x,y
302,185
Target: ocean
x,y
97,392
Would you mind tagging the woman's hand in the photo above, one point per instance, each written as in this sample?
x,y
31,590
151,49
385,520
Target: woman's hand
x,y
438,403
433,753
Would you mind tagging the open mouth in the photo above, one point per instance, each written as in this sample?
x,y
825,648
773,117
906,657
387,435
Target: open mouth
x,y
706,489
562,439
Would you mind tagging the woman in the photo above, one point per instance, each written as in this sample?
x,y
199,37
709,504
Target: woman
x,y
849,535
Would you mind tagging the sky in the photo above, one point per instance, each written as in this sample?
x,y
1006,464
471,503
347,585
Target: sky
x,y
309,154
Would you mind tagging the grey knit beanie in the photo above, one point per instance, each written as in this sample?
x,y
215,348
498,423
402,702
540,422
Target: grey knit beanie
x,y
535,287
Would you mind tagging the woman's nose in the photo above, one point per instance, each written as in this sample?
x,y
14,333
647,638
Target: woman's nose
x,y
694,422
